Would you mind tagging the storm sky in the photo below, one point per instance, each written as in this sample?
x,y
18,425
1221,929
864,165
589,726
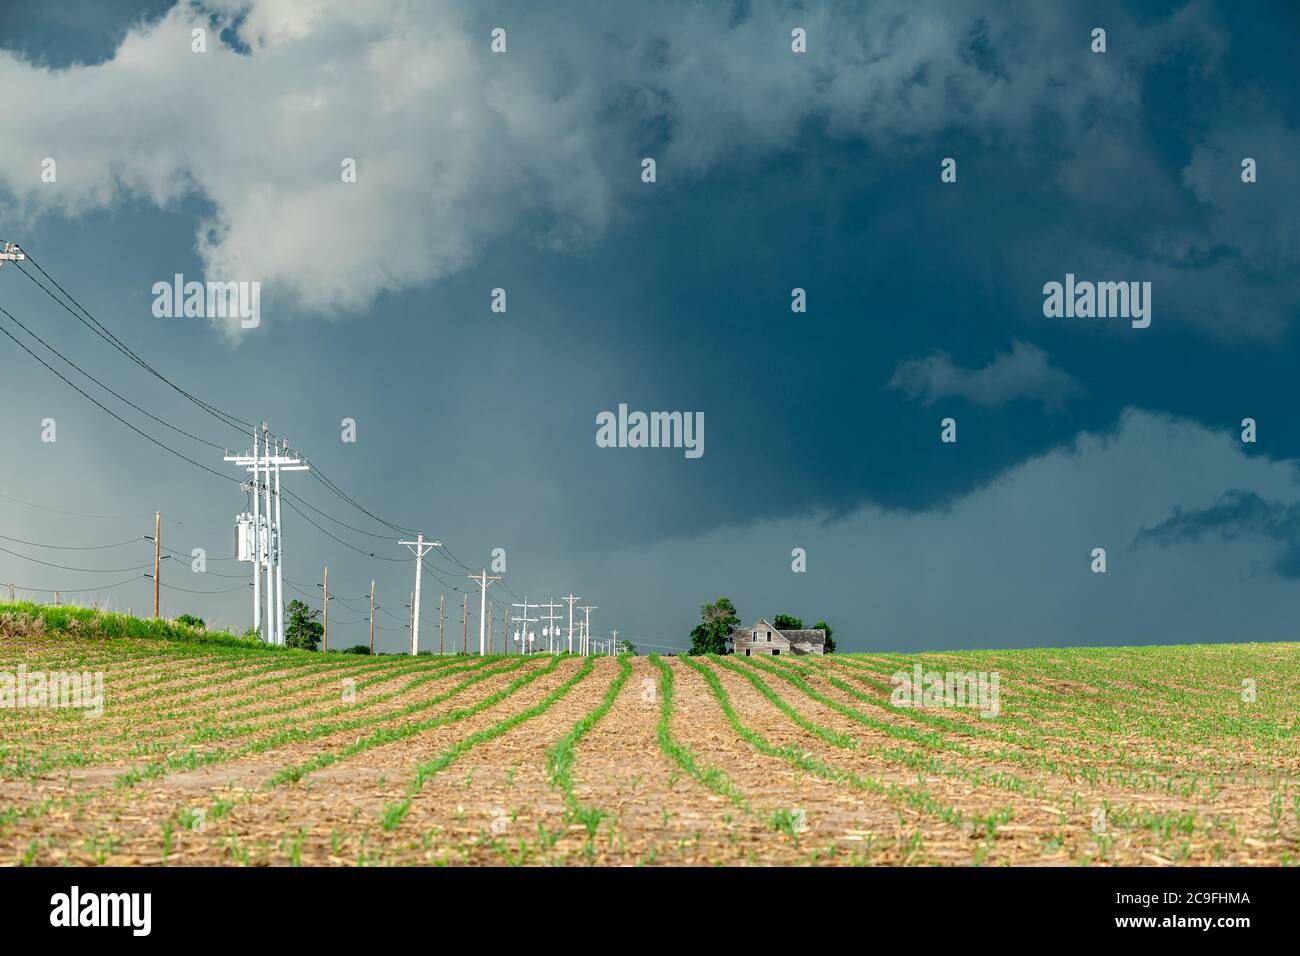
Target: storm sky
x,y
775,170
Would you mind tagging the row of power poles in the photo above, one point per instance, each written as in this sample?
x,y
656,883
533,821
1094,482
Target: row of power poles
x,y
260,542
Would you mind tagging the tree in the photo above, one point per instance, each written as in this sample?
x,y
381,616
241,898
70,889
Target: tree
x,y
713,632
830,641
357,649
784,622
304,631
191,621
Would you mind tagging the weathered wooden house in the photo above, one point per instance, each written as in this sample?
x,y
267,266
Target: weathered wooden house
x,y
763,638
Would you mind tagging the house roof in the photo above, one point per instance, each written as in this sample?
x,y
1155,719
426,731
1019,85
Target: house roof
x,y
805,637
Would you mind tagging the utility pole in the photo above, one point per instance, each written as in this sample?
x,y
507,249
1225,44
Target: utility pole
x,y
264,543
257,532
272,628
550,632
372,617
464,619
157,559
326,630
586,627
613,645
523,635
419,547
505,634
279,549
484,580
491,621
11,253
571,600
441,622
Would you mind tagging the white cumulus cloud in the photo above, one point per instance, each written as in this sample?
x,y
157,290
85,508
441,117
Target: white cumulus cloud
x,y
456,146
1023,373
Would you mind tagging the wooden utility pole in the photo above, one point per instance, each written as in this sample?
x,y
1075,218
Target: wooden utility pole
x,y
325,631
505,635
441,622
372,617
491,636
483,580
464,616
157,559
11,594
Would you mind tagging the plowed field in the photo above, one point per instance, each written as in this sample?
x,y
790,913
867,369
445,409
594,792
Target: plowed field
x,y
227,756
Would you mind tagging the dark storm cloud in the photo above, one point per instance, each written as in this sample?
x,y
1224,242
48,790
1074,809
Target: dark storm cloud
x,y
1235,515
774,173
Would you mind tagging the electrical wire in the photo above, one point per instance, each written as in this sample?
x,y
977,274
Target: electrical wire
x,y
73,547
105,408
233,421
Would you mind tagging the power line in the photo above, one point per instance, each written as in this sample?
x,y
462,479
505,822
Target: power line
x,y
100,330
64,567
77,590
86,318
110,391
105,408
192,591
77,514
73,547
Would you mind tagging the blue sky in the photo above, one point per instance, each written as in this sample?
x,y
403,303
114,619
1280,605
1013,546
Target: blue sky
x,y
775,170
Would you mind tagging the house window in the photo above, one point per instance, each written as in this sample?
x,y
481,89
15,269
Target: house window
x,y
776,651
747,652
769,636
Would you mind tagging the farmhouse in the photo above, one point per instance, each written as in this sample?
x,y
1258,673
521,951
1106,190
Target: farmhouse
x,y
763,638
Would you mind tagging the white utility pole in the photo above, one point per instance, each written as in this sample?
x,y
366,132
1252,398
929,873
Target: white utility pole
x,y
483,580
550,632
586,628
571,600
419,547
525,620
613,645
257,534
267,548
270,543
11,253
279,548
